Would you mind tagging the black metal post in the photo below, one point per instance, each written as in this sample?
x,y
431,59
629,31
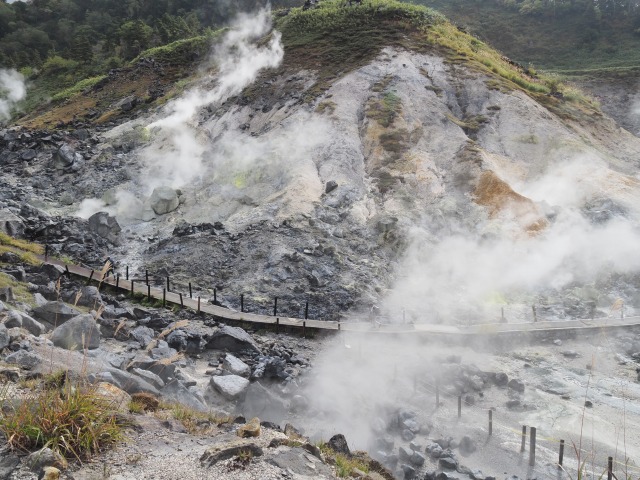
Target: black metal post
x,y
242,302
561,455
66,271
190,291
610,469
127,273
46,253
524,437
90,277
532,447
535,316
132,282
198,304
146,276
148,292
304,329
277,325
215,295
306,310
168,289
275,307
181,304
118,280
164,297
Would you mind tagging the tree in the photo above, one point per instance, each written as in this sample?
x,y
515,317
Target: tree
x,y
135,36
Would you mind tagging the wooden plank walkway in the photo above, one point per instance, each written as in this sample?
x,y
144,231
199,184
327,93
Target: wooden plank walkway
x,y
134,286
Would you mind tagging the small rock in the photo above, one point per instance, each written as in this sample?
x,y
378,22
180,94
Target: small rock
x,y
250,429
235,366
570,354
449,463
409,471
224,451
105,225
517,385
231,387
26,360
557,342
37,461
164,200
588,404
338,443
330,186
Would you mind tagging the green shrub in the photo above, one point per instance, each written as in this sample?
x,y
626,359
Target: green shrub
x,y
56,65
79,87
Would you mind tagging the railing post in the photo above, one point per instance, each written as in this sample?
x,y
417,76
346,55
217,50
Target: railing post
x,y
148,292
524,438
132,282
215,295
181,304
146,276
242,302
164,297
275,307
118,280
198,304
277,325
532,447
90,277
306,309
66,271
304,329
168,289
561,454
46,253
610,469
127,273
190,292
535,315
437,394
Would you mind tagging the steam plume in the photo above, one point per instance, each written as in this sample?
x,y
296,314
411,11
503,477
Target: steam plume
x,y
12,90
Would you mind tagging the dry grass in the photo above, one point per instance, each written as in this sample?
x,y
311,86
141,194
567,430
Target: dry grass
x,y
27,251
195,422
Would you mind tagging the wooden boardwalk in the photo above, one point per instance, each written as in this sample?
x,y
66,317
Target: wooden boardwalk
x,y
139,287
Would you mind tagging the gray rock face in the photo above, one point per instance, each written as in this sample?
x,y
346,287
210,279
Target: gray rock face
x,y
300,462
26,360
232,339
231,387
150,377
77,333
8,463
6,295
125,381
225,450
144,335
4,337
105,225
90,297
67,159
338,444
10,224
56,313
164,200
234,366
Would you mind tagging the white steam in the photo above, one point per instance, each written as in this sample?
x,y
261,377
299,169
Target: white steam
x,y
12,90
469,275
177,155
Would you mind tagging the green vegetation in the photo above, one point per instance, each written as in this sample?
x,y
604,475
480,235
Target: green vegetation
x,y
78,88
194,421
71,420
345,465
24,249
385,109
561,35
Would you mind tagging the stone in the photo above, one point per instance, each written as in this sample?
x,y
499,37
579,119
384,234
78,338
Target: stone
x,y
6,295
105,225
126,381
417,459
127,103
467,445
10,223
90,297
232,339
501,379
164,200
227,450
330,186
77,333
114,396
338,443
22,320
51,473
300,463
231,387
55,313
65,157
148,401
40,459
144,335
517,385
250,429
570,354
150,377
449,463
26,360
28,154
177,392
235,366
409,471
8,463
557,342
5,339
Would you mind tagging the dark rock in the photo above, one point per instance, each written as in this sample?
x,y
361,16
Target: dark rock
x,y
225,451
338,444
517,385
6,295
105,225
467,445
301,463
28,154
8,463
56,313
174,390
11,224
330,186
449,463
588,404
271,426
127,103
22,320
125,381
232,339
26,360
417,459
144,335
501,379
5,339
409,471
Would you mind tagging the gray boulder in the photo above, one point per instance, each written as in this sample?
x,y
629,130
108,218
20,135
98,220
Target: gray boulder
x,y
77,334
231,387
56,313
150,377
10,224
234,366
66,158
6,295
232,339
22,320
90,297
144,335
125,381
164,200
26,360
105,225
5,339
9,461
177,392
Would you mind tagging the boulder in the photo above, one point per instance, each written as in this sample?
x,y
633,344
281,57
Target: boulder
x,y
232,339
467,445
300,463
26,360
177,392
66,158
234,366
11,224
114,396
90,297
338,443
124,380
56,313
39,460
225,450
164,200
5,339
6,295
517,385
77,333
22,320
250,429
150,377
144,335
105,225
9,461
231,387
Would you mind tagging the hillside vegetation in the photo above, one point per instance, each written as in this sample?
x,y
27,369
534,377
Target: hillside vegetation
x,y
563,35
